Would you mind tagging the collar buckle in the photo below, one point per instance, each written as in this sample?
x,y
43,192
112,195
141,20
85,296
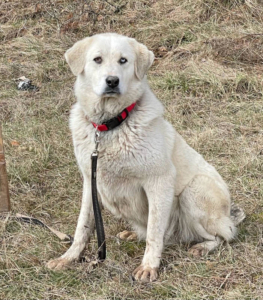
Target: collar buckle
x,y
114,122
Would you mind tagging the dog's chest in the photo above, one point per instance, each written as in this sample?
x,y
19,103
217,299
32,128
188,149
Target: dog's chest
x,y
120,174
123,155
123,164
125,161
123,197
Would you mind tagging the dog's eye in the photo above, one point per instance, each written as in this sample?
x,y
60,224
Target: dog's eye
x,y
98,60
123,60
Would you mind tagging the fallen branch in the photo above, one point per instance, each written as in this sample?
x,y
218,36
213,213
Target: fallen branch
x,y
4,191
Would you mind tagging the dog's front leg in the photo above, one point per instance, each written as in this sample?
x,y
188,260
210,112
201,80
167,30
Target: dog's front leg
x,y
160,194
83,231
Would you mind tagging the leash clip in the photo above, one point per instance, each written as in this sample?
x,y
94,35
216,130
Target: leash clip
x,y
97,141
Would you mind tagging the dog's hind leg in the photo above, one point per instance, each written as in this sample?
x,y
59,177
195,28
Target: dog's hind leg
x,y
84,229
205,214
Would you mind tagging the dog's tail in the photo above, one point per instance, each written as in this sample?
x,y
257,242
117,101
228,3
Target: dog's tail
x,y
237,214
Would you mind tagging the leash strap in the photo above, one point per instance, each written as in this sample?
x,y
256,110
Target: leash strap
x,y
105,126
31,220
96,206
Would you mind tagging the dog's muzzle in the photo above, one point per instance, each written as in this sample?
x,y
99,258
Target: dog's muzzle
x,y
109,91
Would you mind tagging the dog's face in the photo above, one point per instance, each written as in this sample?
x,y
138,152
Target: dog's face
x,y
109,65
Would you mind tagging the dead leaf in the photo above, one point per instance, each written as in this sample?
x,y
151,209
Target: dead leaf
x,y
14,143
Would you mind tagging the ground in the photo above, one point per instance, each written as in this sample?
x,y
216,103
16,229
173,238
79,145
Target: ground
x,y
208,75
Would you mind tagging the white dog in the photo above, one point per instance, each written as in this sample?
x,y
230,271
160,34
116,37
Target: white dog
x,y
147,174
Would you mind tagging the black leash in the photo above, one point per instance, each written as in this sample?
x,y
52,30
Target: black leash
x,y
31,220
105,126
96,206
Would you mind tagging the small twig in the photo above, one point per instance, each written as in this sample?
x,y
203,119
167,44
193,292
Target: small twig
x,y
117,8
222,284
252,34
53,14
110,4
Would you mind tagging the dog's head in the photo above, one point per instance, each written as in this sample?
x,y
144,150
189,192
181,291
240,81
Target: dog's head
x,y
109,65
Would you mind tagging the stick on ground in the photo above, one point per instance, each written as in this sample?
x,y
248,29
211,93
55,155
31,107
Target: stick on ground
x,y
4,191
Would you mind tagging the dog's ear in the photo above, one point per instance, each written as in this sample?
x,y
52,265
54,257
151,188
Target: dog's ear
x,y
144,59
76,55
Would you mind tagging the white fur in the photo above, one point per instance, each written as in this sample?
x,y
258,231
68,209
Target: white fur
x,y
147,174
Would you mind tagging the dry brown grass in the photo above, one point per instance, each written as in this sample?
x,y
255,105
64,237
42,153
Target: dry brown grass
x,y
208,74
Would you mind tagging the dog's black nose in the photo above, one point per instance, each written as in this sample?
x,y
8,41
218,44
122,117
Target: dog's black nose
x,y
112,81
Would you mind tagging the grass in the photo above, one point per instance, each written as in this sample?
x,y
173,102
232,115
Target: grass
x,y
207,73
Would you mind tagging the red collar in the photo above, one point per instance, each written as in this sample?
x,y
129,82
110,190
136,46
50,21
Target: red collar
x,y
116,121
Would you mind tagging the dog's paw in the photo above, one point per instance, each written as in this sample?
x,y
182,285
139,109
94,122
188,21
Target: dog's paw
x,y
145,274
198,250
58,264
127,235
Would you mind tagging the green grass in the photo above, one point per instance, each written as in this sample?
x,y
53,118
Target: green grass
x,y
208,75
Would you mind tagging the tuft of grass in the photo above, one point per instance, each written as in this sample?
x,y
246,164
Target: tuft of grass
x,y
208,75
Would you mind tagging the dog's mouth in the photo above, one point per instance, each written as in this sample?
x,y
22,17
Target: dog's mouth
x,y
111,91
